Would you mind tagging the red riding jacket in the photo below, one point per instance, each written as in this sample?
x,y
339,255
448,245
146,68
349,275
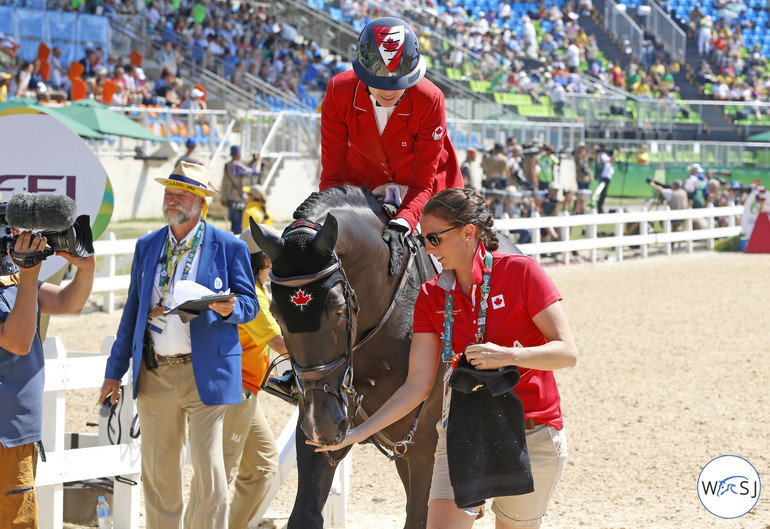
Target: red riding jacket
x,y
414,149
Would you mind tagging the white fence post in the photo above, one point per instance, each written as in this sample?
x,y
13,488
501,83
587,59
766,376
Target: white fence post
x,y
83,370
52,496
109,270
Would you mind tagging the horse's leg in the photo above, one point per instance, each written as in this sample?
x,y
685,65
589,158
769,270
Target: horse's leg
x,y
315,476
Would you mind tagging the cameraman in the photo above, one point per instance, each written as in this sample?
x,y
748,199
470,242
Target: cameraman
x,y
23,298
675,196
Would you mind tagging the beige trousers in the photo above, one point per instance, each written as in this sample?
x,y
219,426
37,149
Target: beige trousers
x,y
167,401
247,436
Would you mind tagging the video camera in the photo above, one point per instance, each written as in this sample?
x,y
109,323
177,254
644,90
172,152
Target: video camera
x,y
661,184
53,216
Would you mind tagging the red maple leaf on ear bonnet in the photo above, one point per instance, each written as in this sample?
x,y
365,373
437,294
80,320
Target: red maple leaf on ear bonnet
x,y
301,299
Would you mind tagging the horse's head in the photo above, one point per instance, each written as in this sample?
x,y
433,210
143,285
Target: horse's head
x,y
316,308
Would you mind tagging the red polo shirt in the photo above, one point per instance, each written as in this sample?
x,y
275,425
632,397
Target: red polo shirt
x,y
519,289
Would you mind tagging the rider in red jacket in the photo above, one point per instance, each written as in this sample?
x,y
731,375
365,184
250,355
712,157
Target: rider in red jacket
x,y
384,123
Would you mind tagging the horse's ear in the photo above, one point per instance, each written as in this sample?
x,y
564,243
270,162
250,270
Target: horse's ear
x,y
267,242
326,238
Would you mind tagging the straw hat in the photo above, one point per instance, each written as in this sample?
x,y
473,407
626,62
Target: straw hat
x,y
192,174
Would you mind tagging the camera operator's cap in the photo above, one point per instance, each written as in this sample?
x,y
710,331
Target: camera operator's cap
x,y
191,142
248,238
234,149
554,186
256,191
191,177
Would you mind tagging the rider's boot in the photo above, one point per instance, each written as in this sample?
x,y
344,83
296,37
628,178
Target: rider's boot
x,y
284,387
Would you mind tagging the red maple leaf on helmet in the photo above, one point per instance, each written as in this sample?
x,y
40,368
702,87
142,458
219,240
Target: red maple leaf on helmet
x,y
301,299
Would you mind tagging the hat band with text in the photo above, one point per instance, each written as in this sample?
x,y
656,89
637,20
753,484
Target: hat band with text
x,y
186,180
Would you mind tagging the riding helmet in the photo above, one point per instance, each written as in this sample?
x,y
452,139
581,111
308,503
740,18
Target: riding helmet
x,y
388,55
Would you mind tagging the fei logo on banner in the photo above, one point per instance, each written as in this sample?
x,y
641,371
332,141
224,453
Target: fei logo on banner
x,y
729,486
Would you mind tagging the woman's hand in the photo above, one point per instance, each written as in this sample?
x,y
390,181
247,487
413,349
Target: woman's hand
x,y
353,437
489,356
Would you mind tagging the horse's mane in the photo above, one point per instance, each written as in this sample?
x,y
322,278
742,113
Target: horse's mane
x,y
320,202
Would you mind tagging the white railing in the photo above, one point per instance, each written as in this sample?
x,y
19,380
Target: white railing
x,y
96,457
117,254
620,222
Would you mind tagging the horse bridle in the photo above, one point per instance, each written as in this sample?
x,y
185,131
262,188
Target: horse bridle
x,y
315,377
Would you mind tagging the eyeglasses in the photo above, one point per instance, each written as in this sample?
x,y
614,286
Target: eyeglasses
x,y
433,237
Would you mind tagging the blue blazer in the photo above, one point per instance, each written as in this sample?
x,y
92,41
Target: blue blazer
x,y
216,351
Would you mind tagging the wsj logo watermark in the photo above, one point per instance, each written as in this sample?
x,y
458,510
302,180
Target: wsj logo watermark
x,y
729,486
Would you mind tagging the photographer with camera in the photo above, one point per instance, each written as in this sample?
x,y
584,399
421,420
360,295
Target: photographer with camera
x,y
23,298
237,176
675,196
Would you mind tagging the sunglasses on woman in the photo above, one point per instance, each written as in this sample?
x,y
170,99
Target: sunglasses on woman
x,y
433,238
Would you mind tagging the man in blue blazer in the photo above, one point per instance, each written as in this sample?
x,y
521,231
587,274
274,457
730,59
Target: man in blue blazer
x,y
184,373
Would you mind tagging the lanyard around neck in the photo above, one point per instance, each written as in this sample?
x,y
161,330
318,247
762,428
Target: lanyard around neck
x,y
174,256
446,346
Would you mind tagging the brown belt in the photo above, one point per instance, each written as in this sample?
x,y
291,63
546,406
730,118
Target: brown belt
x,y
530,424
176,360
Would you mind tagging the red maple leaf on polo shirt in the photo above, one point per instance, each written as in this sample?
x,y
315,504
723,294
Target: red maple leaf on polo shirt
x,y
301,299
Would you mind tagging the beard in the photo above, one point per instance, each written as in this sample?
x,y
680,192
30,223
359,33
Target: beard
x,y
179,215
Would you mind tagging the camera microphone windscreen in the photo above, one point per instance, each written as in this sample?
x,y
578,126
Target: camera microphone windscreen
x,y
41,211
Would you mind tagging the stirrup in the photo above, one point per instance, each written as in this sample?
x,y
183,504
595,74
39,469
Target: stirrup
x,y
284,387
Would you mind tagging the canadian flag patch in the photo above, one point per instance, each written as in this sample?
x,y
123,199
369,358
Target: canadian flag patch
x,y
498,302
300,299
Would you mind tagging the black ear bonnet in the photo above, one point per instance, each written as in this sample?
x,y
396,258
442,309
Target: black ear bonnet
x,y
300,298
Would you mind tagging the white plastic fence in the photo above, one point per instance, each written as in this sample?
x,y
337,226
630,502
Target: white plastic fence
x,y
117,254
95,457
645,238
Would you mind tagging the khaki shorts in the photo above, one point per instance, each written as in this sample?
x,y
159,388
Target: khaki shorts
x,y
547,449
18,502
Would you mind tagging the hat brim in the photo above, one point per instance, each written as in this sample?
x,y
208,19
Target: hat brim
x,y
208,192
391,83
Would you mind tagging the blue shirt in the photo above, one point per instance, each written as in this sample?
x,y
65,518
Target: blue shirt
x,y
22,378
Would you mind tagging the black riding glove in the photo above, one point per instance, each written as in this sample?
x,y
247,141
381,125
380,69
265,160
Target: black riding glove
x,y
394,236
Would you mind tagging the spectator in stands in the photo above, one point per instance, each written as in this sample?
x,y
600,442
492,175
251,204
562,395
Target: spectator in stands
x,y
167,59
190,156
236,176
89,63
7,55
704,36
20,84
386,96
643,155
59,74
5,80
194,100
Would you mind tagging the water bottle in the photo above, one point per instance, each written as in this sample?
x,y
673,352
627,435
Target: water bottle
x,y
103,513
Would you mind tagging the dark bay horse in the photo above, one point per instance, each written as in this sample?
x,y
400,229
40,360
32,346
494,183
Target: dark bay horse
x,y
348,326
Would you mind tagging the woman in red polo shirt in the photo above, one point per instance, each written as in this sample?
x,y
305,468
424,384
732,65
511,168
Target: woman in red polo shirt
x,y
523,325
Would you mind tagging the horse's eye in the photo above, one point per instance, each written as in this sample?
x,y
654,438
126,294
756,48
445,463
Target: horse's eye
x,y
340,311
